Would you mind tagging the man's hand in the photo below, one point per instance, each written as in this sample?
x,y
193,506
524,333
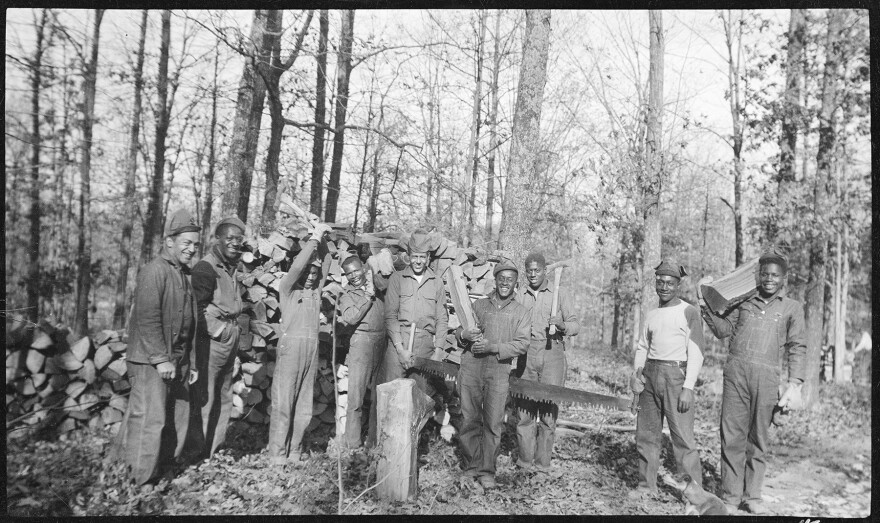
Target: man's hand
x,y
404,357
557,320
637,381
438,354
685,400
471,334
482,346
193,377
319,230
166,370
704,281
791,398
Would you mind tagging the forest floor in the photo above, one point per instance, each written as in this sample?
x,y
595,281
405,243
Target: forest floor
x,y
819,466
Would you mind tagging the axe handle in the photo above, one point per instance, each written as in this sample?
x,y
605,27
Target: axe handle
x,y
634,407
557,275
412,336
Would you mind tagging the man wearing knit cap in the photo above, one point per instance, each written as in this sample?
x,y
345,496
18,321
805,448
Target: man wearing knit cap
x,y
294,377
544,362
762,329
159,355
415,296
668,359
502,333
218,294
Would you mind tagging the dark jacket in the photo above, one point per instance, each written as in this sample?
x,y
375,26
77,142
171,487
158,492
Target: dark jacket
x,y
157,319
218,293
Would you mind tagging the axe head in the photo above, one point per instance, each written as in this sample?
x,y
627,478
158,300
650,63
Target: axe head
x,y
560,264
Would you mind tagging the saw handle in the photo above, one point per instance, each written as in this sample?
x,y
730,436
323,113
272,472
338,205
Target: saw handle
x,y
554,307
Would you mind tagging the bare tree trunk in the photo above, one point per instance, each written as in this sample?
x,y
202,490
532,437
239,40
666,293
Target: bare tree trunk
x,y
474,146
84,244
272,78
733,41
153,220
130,175
493,129
342,78
617,321
791,111
246,125
525,138
36,213
317,188
366,156
649,252
815,288
212,161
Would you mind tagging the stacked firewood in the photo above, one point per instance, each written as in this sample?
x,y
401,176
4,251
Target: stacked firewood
x,y
56,379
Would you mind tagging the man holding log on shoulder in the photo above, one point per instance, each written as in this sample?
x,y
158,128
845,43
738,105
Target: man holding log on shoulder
x,y
552,320
667,361
294,377
502,333
218,294
761,327
363,315
159,355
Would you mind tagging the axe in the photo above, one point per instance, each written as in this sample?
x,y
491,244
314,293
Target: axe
x,y
309,218
557,276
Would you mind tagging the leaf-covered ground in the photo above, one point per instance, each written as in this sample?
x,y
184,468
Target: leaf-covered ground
x,y
819,466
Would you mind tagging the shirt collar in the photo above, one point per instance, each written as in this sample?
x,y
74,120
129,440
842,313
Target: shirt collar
x,y
222,261
778,296
428,274
170,259
493,296
545,286
671,303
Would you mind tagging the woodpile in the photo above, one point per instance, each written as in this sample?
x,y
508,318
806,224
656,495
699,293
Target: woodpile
x,y
65,382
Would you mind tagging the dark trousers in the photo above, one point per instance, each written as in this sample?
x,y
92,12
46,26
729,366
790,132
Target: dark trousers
x,y
212,393
484,385
293,385
535,438
751,390
660,400
365,353
154,428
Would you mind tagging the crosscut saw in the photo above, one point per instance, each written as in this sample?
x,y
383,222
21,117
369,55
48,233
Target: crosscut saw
x,y
528,389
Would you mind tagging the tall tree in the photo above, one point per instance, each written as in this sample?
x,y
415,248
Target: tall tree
x,y
84,243
493,127
130,175
791,109
271,74
248,118
153,220
342,80
35,215
316,196
525,139
818,241
471,172
212,159
648,239
733,40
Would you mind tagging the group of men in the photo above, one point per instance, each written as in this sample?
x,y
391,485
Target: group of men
x,y
185,328
764,329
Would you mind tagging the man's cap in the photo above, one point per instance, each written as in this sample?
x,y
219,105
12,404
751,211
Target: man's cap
x,y
418,241
667,268
774,255
234,220
180,221
504,265
535,257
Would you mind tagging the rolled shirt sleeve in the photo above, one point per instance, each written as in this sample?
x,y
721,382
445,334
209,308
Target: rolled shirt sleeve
x,y
721,327
569,317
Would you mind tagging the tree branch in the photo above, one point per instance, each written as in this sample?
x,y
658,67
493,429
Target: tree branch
x,y
327,127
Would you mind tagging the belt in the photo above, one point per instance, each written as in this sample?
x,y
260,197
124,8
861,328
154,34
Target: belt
x,y
668,363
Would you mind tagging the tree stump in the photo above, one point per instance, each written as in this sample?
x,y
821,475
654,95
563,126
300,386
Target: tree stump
x,y
402,411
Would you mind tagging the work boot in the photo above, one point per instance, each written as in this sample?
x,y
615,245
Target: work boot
x,y
488,482
756,507
525,466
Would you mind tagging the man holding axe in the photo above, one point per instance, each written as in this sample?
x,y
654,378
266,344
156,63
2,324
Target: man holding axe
x,y
552,320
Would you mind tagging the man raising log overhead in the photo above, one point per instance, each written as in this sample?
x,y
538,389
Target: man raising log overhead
x,y
297,362
502,334
159,355
761,329
363,315
668,359
545,359
218,293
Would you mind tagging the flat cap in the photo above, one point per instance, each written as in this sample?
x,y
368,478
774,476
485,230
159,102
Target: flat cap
x,y
180,221
667,268
774,255
233,220
504,265
418,241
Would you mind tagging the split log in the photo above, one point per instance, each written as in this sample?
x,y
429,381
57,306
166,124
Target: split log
x,y
106,336
103,355
464,312
35,360
402,411
727,292
41,340
87,372
80,348
69,362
